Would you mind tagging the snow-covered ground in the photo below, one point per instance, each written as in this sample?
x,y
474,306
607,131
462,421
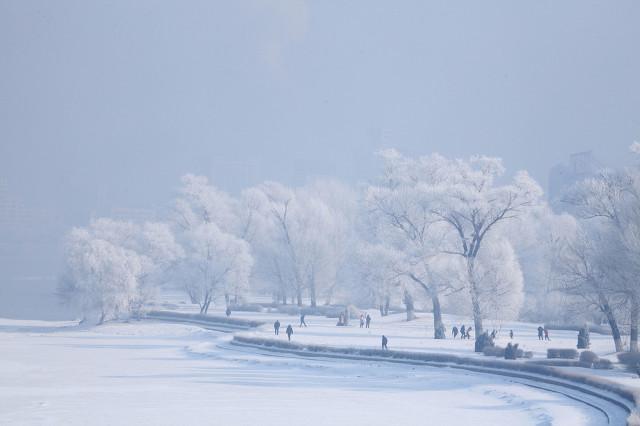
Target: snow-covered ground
x,y
169,374
416,335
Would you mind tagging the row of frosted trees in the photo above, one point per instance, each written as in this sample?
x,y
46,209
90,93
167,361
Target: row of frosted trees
x,y
450,234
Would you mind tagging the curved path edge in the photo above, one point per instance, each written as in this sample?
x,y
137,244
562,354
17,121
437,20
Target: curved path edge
x,y
613,393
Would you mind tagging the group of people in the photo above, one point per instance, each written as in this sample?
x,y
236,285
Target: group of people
x,y
543,331
288,331
465,333
365,320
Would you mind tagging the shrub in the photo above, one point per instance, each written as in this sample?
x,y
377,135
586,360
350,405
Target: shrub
x,y
603,364
527,354
630,359
588,357
562,353
247,307
493,351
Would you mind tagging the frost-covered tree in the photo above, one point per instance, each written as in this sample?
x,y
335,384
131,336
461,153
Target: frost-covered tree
x,y
584,273
424,194
214,263
112,267
401,210
610,202
300,240
210,225
377,269
499,280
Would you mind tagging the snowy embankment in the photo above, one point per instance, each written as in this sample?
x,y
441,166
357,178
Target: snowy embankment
x,y
158,373
413,345
212,323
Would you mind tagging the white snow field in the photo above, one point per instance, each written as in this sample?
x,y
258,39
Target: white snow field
x,y
151,373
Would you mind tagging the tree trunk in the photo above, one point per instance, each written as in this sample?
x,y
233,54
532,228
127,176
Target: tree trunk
x,y
611,319
475,302
407,298
227,299
387,301
299,297
438,326
381,310
312,295
635,313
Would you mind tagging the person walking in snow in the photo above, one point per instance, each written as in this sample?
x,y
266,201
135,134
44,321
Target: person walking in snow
x,y
454,331
384,343
368,320
228,312
302,321
546,333
469,332
463,332
276,327
361,320
540,331
511,334
289,331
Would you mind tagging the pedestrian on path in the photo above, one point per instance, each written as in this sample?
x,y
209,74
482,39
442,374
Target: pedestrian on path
x,y
289,331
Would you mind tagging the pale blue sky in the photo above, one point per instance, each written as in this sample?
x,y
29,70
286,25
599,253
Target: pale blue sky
x,y
105,104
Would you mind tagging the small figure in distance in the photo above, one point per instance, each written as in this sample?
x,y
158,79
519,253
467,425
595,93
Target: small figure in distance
x,y
276,327
546,334
368,320
302,321
384,343
511,334
469,332
361,320
289,331
463,332
228,311
540,332
454,331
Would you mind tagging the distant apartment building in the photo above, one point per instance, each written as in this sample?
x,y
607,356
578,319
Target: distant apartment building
x,y
562,176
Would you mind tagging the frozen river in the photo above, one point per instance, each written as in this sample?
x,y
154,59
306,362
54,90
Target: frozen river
x,y
171,374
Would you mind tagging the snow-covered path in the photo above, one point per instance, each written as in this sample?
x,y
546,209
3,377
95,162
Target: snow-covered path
x,y
169,374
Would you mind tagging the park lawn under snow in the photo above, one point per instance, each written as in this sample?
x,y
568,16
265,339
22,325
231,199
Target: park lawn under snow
x,y
161,374
416,335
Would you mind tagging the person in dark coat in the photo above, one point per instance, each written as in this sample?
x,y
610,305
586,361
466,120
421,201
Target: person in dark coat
x,y
228,311
361,320
289,331
493,333
469,332
302,321
540,331
276,327
368,320
384,343
454,331
511,334
463,332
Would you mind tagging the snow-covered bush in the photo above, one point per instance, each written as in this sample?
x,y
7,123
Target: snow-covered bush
x,y
558,353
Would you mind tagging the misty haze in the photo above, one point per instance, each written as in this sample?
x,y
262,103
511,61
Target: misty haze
x,y
357,213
